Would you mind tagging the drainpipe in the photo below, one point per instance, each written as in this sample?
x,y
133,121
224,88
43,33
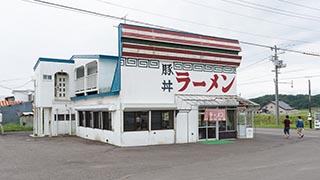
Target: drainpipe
x,y
70,121
57,130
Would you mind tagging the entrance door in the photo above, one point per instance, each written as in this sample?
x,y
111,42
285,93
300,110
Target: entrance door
x,y
242,125
207,129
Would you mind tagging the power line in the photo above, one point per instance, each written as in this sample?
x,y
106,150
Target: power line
x,y
69,8
6,80
22,85
205,6
276,12
302,77
280,10
283,49
290,78
247,16
60,6
300,5
259,61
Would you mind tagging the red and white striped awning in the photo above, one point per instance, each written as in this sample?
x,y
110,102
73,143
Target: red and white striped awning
x,y
7,103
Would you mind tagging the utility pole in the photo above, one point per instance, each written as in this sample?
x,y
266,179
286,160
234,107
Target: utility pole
x,y
310,115
277,65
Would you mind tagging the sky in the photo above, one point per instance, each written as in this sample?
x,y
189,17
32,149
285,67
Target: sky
x,y
30,30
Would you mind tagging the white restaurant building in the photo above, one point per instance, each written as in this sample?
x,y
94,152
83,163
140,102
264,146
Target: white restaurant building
x,y
156,91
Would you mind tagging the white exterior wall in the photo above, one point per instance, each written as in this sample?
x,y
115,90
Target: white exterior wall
x,y
143,85
113,136
46,102
141,89
46,87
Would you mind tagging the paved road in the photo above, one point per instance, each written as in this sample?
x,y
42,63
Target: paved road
x,y
268,156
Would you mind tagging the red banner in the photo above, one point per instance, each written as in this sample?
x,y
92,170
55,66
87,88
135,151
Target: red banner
x,y
215,115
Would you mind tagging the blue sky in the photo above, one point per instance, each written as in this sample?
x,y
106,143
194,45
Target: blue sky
x,y
30,31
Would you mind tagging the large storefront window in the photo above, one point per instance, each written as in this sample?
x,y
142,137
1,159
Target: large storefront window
x,y
231,116
87,119
136,121
161,120
139,120
80,113
96,120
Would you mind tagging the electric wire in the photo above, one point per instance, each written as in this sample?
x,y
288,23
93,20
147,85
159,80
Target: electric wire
x,y
276,12
11,88
259,61
246,16
299,5
153,25
280,10
60,6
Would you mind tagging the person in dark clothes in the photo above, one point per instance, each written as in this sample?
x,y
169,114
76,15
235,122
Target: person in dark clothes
x,y
286,129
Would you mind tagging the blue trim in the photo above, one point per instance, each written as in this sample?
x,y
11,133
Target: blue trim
x,y
116,83
97,56
120,40
183,32
52,60
95,96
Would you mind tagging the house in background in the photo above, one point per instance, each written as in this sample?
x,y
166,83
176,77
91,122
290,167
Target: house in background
x,y
23,95
284,108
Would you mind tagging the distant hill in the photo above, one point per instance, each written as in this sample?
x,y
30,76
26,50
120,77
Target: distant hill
x,y
299,101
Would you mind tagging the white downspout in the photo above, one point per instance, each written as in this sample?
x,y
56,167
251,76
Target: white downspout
x,y
57,130
70,121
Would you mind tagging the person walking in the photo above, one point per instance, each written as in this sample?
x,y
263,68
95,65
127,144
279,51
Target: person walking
x,y
300,127
286,129
1,126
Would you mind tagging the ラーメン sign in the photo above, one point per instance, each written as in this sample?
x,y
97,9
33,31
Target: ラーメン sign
x,y
215,115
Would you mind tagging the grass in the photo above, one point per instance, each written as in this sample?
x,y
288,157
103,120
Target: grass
x,y
269,120
16,127
217,142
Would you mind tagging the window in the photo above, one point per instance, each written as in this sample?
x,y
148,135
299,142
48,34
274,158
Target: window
x,y
106,120
61,85
139,120
87,119
92,68
47,77
97,120
80,72
161,120
231,114
72,117
136,121
96,123
81,118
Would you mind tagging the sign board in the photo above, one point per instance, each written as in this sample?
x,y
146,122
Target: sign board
x,y
215,115
172,62
317,120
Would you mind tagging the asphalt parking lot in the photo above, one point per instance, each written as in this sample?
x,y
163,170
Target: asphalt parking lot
x,y
268,156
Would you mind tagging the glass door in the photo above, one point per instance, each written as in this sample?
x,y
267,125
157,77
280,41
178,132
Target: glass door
x,y
207,129
242,124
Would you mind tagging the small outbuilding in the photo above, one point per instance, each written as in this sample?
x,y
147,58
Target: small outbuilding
x,y
284,108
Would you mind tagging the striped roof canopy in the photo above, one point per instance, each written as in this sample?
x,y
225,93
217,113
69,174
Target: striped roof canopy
x,y
7,103
160,44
